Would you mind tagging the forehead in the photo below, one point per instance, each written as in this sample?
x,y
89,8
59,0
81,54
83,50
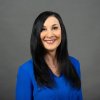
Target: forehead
x,y
51,21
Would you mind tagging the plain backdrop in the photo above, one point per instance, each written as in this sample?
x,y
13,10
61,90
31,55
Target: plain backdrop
x,y
82,22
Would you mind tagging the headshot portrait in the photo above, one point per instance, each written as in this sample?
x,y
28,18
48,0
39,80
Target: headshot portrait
x,y
49,50
51,73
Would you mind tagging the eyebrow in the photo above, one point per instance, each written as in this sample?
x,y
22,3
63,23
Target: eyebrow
x,y
52,25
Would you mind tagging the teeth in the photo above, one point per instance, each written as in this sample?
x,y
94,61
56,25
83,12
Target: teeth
x,y
50,41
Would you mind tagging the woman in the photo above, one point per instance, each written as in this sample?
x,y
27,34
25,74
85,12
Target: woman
x,y
51,74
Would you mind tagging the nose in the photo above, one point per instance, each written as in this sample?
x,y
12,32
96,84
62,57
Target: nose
x,y
50,33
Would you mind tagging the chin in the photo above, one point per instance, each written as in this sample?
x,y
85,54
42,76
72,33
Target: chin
x,y
51,49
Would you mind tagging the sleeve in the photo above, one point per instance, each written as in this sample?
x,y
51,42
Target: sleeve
x,y
76,64
23,85
79,92
80,97
78,68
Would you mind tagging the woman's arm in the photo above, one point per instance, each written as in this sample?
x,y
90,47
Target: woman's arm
x,y
76,64
23,85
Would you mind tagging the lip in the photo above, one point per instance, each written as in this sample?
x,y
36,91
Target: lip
x,y
50,41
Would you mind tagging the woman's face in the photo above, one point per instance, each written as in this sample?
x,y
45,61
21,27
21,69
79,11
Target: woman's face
x,y
51,34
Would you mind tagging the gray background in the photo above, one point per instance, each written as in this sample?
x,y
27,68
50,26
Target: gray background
x,y
82,21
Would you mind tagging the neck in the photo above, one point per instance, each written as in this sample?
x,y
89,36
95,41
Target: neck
x,y
51,58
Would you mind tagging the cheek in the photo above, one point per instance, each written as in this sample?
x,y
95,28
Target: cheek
x,y
42,36
58,34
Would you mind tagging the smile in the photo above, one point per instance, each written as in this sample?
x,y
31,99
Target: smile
x,y
50,41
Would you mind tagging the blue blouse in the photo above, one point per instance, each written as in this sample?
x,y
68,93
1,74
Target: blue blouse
x,y
27,88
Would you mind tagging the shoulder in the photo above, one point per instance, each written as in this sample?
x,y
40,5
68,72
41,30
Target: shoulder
x,y
24,81
27,65
74,60
26,68
76,64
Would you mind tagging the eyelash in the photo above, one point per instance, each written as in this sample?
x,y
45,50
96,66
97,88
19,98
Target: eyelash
x,y
53,28
43,29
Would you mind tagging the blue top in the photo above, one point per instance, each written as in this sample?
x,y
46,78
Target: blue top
x,y
27,88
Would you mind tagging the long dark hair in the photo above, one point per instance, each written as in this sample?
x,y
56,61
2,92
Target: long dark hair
x,y
41,69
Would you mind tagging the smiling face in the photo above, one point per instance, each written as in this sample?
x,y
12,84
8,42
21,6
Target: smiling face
x,y
51,34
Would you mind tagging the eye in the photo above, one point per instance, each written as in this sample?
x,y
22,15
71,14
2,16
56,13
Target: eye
x,y
43,29
55,28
